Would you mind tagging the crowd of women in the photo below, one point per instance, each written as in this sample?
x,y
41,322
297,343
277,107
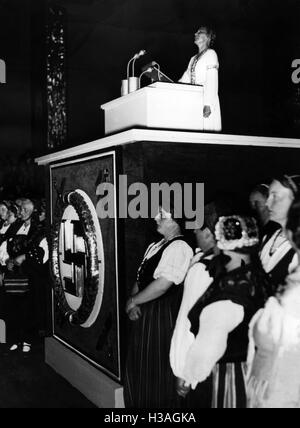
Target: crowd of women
x,y
220,328
23,263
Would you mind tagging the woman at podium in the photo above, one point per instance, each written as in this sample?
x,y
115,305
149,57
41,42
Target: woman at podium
x,y
203,70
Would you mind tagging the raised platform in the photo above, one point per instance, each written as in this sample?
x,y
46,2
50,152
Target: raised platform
x,y
153,135
96,386
222,162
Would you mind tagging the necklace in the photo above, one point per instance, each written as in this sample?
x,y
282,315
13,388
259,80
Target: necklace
x,y
193,68
273,247
155,247
152,251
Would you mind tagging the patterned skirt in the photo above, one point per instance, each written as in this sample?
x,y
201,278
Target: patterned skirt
x,y
149,381
229,386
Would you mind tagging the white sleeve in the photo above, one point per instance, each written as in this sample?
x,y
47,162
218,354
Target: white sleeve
x,y
267,324
3,253
251,345
211,86
216,322
44,245
186,78
174,262
196,283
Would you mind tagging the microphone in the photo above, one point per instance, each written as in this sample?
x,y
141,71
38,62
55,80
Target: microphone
x,y
137,56
151,64
133,59
154,63
141,53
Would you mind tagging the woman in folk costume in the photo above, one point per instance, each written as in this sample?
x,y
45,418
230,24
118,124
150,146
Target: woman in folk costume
x,y
203,70
152,310
274,349
277,255
197,281
199,277
220,318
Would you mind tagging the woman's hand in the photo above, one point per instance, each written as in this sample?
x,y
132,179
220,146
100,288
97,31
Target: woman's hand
x,y
206,111
135,313
10,265
182,388
129,305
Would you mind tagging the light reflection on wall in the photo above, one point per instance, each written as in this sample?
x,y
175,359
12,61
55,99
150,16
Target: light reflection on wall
x,y
56,78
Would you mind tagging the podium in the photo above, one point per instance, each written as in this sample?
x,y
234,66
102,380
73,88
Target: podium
x,y
161,105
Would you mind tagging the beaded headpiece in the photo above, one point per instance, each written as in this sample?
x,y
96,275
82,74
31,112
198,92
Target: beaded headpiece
x,y
236,232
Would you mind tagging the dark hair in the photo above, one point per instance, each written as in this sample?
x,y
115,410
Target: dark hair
x,y
210,34
41,206
180,220
293,222
13,208
291,182
263,189
223,204
4,203
177,216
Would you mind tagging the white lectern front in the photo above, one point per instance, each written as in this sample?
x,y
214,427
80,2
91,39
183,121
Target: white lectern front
x,y
159,106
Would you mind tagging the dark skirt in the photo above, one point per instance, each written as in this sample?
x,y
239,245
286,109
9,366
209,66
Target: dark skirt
x,y
19,318
149,381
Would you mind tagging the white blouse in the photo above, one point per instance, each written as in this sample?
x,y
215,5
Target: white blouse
x,y
269,261
4,229
274,351
174,262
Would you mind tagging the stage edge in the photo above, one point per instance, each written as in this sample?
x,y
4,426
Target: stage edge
x,y
95,385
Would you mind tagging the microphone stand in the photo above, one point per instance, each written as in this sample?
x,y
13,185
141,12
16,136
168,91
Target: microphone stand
x,y
144,72
133,65
161,73
134,58
125,89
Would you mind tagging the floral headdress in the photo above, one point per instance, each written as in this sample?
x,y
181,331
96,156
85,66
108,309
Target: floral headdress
x,y
236,232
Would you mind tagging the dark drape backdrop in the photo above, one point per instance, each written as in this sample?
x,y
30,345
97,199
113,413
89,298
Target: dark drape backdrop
x,y
256,42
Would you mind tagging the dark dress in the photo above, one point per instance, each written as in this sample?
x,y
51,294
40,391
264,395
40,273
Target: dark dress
x,y
10,233
149,381
241,286
21,308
